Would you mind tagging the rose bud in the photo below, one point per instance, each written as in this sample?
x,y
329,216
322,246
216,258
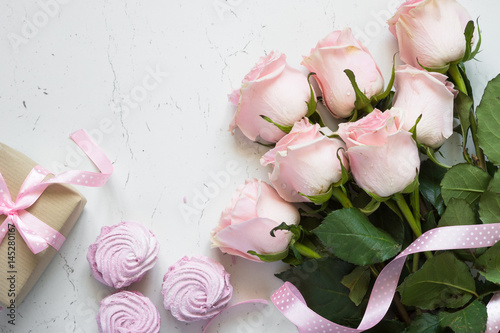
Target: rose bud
x,y
272,89
419,92
245,225
332,55
305,161
383,157
431,31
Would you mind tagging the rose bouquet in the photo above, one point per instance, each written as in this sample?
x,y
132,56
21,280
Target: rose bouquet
x,y
380,233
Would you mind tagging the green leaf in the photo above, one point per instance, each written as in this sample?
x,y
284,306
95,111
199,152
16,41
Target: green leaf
x,y
357,281
386,103
462,109
430,178
312,104
431,153
488,121
319,281
442,281
315,118
270,257
425,323
376,197
386,219
285,129
296,230
294,258
320,198
458,212
489,207
441,70
469,33
349,235
485,288
479,41
394,207
464,181
388,90
491,168
388,326
461,69
489,204
488,264
429,223
362,102
345,173
371,207
472,319
312,220
413,130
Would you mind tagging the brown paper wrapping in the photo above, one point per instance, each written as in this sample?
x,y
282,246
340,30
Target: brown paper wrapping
x,y
59,207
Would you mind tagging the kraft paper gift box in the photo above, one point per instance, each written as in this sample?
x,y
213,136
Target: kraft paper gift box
x,y
59,207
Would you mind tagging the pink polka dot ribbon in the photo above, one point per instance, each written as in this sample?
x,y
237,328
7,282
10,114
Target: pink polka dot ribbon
x,y
293,306
493,309
37,234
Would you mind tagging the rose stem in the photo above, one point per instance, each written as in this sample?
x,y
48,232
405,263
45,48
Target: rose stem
x,y
414,225
460,83
341,197
479,151
374,271
401,309
397,300
416,258
415,203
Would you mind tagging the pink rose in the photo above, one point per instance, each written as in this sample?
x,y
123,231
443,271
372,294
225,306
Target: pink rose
x,y
305,161
419,92
335,53
273,89
245,225
431,31
383,156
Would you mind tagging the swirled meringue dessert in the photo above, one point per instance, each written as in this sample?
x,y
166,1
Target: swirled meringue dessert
x,y
122,254
196,288
128,312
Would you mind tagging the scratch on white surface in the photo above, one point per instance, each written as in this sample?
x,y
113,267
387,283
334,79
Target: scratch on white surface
x,y
115,80
69,270
243,50
175,104
158,202
224,58
126,181
116,89
36,122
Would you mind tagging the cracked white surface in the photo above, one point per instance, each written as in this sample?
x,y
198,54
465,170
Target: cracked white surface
x,y
80,71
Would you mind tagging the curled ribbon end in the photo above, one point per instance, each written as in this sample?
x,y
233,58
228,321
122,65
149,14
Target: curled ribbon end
x,y
292,305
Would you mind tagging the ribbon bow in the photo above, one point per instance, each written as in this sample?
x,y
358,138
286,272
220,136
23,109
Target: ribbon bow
x,y
37,234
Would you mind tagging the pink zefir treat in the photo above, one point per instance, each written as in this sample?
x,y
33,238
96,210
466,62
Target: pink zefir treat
x,y
196,288
128,312
122,254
